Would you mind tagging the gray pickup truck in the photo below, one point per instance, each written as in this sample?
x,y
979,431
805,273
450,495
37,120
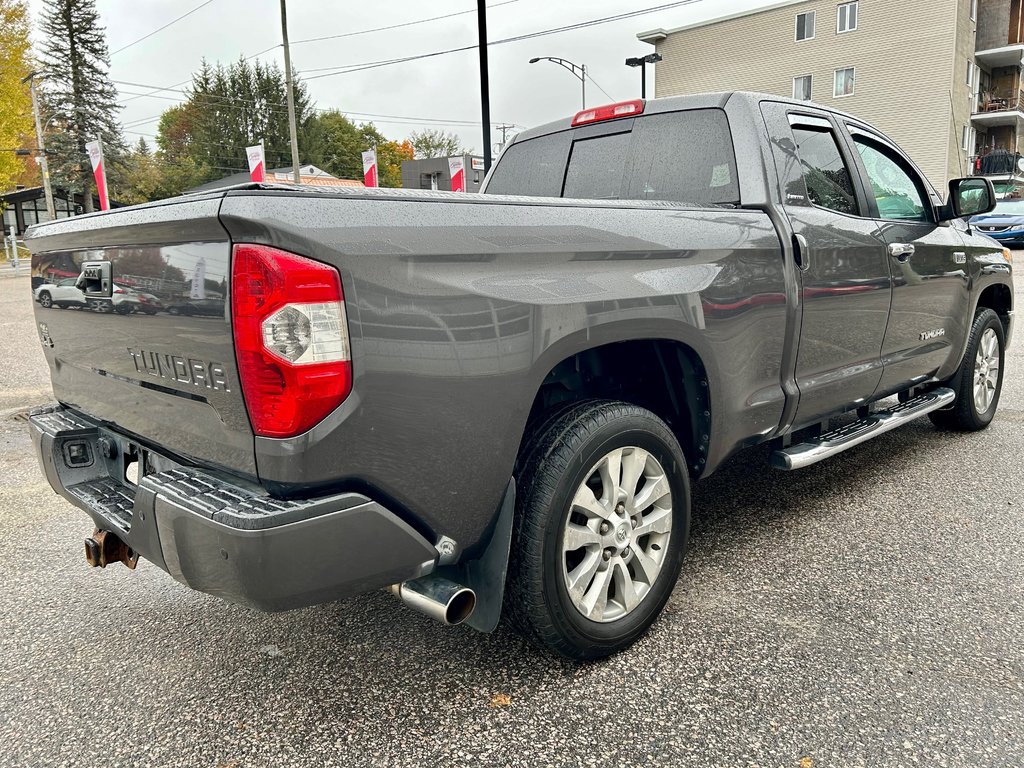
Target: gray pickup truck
x,y
498,402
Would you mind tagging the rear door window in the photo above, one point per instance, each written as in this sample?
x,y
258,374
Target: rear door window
x,y
829,183
684,157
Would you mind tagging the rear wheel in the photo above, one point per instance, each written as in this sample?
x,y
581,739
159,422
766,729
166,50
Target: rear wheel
x,y
979,380
45,300
601,528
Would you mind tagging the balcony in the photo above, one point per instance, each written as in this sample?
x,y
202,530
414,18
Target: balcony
x,y
998,163
997,109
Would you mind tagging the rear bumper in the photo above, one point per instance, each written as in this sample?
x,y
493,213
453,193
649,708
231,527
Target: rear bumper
x,y
221,535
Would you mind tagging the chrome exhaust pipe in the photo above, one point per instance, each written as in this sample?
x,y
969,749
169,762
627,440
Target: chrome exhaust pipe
x,y
437,597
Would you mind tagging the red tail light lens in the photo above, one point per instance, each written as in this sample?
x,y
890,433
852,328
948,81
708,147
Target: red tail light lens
x,y
291,338
609,112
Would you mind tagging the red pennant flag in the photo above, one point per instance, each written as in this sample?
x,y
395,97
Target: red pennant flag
x,y
99,172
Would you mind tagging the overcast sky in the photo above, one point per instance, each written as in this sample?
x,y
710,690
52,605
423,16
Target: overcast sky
x,y
443,88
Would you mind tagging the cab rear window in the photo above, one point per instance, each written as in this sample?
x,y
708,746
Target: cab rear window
x,y
684,157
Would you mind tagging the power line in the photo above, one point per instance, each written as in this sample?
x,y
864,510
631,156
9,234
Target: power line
x,y
379,29
349,68
602,90
274,106
160,29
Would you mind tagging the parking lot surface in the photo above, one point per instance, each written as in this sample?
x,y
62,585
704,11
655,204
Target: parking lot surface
x,y
866,611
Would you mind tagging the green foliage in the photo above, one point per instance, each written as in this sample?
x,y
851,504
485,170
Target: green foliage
x,y
79,96
437,143
229,108
15,103
143,179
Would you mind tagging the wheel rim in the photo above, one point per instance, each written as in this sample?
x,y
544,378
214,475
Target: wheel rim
x,y
615,539
986,371
45,300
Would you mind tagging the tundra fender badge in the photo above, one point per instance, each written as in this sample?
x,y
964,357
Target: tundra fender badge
x,y
928,335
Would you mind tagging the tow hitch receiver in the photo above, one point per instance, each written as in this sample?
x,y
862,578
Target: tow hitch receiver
x,y
104,548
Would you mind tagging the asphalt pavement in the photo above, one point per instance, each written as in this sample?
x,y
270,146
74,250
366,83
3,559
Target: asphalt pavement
x,y
866,611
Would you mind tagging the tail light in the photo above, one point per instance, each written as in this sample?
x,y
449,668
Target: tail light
x,y
609,112
291,339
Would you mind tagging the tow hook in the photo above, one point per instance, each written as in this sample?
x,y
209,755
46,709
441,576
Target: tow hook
x,y
104,548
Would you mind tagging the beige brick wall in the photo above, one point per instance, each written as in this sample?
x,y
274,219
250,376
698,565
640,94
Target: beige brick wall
x,y
904,51
962,94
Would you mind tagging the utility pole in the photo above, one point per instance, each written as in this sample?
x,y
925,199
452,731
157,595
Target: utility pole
x,y
504,134
43,164
291,97
485,86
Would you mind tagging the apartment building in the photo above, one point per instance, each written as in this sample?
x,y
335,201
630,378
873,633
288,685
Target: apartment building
x,y
941,77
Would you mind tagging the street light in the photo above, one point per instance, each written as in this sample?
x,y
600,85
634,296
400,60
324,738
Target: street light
x,y
578,70
642,62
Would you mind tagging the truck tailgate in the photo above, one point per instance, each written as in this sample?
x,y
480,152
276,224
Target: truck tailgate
x,y
156,359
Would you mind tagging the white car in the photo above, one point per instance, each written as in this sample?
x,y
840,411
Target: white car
x,y
62,293
123,300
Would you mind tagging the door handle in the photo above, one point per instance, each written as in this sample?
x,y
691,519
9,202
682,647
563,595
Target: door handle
x,y
901,251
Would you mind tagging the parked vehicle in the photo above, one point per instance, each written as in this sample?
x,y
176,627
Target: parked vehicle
x,y
197,307
1005,223
148,303
63,294
121,300
437,391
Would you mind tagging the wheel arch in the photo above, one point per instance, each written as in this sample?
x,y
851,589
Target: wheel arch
x,y
666,376
999,298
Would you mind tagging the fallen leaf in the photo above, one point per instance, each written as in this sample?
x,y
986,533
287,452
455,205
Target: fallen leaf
x,y
501,700
806,762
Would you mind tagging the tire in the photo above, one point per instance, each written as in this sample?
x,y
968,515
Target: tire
x,y
124,308
173,311
977,382
45,300
563,457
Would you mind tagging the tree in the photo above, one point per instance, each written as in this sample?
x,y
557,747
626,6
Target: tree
x,y
15,102
78,95
390,156
143,180
230,107
336,144
437,144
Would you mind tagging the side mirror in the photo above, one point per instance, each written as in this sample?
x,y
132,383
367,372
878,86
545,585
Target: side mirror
x,y
969,197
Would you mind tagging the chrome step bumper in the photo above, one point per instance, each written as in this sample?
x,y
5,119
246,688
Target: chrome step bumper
x,y
857,432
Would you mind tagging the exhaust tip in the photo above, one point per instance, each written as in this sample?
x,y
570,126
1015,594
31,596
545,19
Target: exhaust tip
x,y
460,607
439,598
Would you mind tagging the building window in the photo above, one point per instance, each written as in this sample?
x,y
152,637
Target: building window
x,y
802,88
967,138
847,21
974,10
970,72
844,82
805,26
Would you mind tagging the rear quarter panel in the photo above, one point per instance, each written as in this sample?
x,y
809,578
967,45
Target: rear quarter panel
x,y
460,305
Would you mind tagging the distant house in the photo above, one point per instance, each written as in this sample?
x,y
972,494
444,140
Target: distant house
x,y
309,175
25,206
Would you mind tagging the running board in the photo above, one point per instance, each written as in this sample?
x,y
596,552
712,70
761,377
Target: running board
x,y
847,436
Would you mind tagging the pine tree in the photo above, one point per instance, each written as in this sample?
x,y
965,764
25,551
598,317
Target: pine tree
x,y
78,95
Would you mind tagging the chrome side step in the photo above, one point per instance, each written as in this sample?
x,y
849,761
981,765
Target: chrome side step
x,y
847,436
